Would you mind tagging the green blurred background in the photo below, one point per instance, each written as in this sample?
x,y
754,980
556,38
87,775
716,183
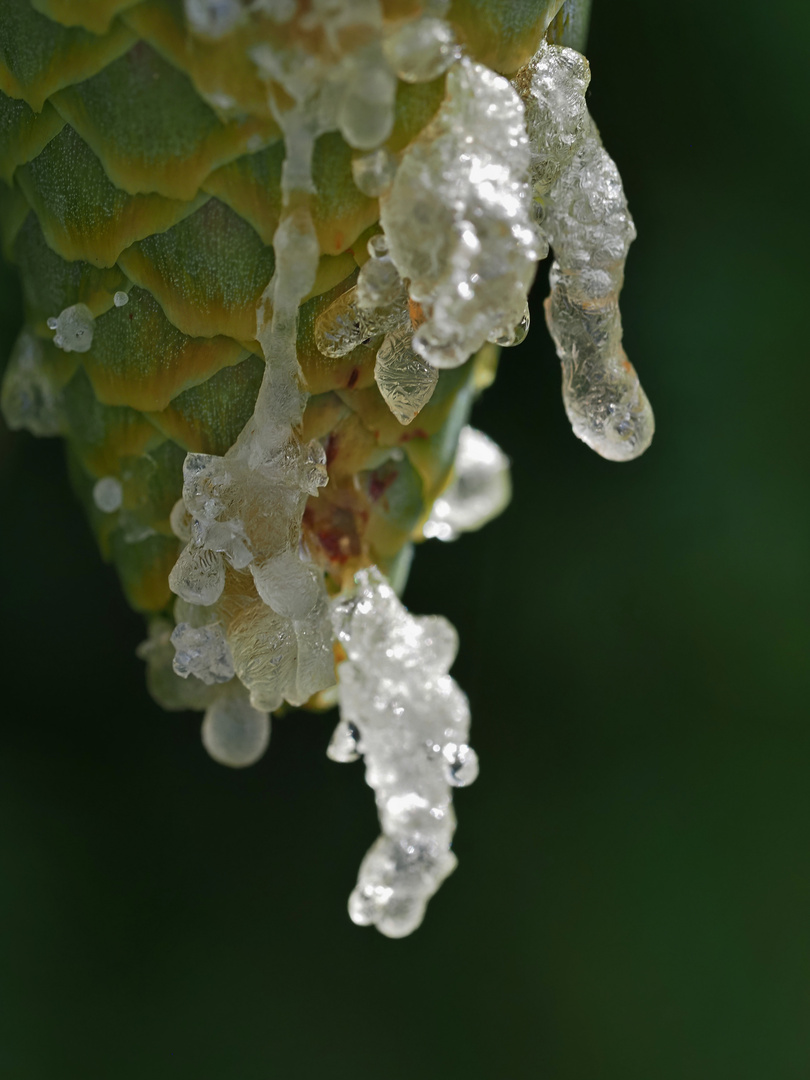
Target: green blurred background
x,y
634,882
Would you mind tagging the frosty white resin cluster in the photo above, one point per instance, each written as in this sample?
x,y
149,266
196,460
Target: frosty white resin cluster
x,y
202,651
410,722
580,200
456,215
457,218
480,490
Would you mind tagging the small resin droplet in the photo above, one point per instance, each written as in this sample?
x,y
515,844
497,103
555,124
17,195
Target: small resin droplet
x,y
515,336
365,114
108,494
233,732
421,50
74,328
344,745
462,764
120,298
214,18
480,490
377,246
374,173
341,327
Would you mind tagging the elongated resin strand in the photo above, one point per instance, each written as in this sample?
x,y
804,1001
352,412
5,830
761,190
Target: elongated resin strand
x,y
246,507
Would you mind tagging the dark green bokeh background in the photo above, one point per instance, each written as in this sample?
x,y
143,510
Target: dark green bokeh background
x,y
632,900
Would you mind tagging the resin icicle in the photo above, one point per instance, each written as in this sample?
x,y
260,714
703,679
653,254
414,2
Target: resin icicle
x,y
591,229
580,201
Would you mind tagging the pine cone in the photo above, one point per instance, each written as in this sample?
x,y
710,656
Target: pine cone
x,y
141,181
269,251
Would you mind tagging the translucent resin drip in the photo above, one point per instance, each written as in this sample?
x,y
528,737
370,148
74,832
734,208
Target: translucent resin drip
x,y
591,230
405,380
480,490
410,722
580,201
233,732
